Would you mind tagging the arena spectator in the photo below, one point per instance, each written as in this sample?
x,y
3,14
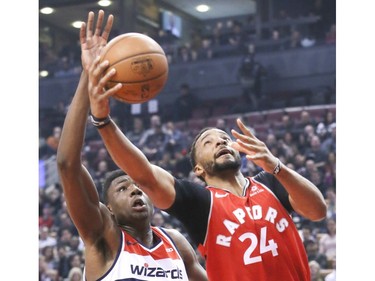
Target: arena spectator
x,y
76,260
167,162
329,143
276,42
304,120
52,140
49,257
329,170
101,170
295,38
46,218
182,165
315,271
195,45
136,132
250,74
286,124
102,155
158,219
184,103
75,274
315,151
331,202
217,36
63,266
184,53
154,140
177,140
45,273
331,35
312,250
221,124
306,232
237,37
332,275
327,241
45,239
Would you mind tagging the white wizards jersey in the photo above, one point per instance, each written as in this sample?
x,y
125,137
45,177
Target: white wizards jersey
x,y
135,262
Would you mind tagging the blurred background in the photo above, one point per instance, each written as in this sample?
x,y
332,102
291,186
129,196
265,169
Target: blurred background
x,y
270,62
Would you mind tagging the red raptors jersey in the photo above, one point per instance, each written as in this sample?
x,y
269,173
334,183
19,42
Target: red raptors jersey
x,y
252,238
137,262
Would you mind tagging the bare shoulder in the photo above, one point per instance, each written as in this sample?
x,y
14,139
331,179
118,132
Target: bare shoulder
x,y
174,234
194,269
182,244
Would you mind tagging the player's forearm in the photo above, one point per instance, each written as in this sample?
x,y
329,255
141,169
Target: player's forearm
x,y
305,197
126,155
73,132
155,181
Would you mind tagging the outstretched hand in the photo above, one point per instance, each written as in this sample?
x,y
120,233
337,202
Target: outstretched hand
x,y
93,41
255,149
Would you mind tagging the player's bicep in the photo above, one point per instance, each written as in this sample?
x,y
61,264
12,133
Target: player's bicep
x,y
82,201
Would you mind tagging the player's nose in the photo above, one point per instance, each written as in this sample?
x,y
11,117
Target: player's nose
x,y
221,141
136,190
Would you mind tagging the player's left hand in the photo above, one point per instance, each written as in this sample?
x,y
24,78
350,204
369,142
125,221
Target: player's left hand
x,y
255,149
93,41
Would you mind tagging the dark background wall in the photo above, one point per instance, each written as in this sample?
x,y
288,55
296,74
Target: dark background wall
x,y
288,70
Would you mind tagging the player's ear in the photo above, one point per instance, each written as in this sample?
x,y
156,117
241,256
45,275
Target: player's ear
x,y
199,171
110,209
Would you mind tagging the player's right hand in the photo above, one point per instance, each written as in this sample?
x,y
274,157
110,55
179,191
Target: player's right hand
x,y
99,96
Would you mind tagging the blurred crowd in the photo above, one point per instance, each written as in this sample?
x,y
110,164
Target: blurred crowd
x,y
304,141
311,26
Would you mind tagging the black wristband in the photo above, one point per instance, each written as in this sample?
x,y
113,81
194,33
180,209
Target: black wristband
x,y
100,122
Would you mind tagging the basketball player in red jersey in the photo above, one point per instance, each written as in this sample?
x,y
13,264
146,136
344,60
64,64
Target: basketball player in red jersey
x,y
120,243
242,225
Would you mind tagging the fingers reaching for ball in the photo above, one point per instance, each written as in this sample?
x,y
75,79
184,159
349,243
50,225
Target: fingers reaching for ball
x,y
246,141
255,149
92,38
98,94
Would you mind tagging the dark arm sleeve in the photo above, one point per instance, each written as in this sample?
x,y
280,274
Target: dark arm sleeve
x,y
191,207
276,187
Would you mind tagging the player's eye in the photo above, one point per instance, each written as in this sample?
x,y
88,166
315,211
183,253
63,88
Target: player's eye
x,y
122,188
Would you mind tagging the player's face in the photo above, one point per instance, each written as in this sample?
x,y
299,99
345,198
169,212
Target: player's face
x,y
214,154
128,203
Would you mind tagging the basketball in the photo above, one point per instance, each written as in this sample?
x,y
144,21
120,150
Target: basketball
x,y
141,66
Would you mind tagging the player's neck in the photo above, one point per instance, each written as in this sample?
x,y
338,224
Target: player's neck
x,y
235,183
142,235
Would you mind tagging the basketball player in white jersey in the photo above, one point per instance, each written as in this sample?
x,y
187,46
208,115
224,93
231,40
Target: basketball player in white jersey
x,y
120,243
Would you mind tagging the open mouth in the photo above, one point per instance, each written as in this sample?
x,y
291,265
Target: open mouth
x,y
138,204
222,152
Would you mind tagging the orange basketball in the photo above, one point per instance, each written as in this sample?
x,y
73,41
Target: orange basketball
x,y
141,66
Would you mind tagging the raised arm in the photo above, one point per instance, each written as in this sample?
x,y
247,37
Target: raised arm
x,y
305,198
156,182
79,189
